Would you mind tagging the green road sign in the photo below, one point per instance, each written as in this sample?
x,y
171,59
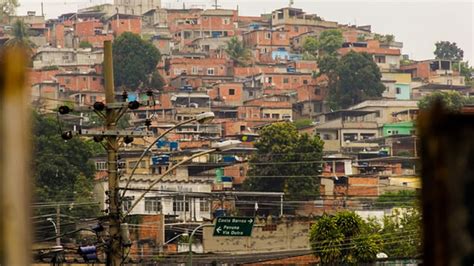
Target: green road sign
x,y
233,226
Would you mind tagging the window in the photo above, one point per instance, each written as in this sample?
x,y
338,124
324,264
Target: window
x,y
398,90
285,80
305,81
268,35
152,204
204,205
231,91
194,70
225,21
367,135
94,78
275,116
269,80
101,166
350,137
326,137
317,91
380,59
242,128
127,203
84,78
250,93
295,28
210,71
179,205
93,99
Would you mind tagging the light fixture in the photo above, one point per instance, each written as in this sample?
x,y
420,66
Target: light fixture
x,y
67,135
225,145
133,105
205,117
64,109
99,106
127,139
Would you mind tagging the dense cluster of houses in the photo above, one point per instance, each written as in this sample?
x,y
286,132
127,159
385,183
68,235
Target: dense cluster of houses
x,y
370,148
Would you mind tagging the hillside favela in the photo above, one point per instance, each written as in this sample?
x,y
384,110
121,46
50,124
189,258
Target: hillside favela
x,y
139,132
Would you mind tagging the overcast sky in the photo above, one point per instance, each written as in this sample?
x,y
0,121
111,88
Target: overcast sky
x,y
416,23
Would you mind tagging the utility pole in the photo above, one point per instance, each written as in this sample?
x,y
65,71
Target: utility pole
x,y
58,225
114,257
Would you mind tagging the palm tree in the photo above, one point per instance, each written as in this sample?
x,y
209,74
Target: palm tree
x,y
238,52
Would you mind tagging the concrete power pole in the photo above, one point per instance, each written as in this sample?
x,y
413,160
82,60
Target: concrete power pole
x,y
114,257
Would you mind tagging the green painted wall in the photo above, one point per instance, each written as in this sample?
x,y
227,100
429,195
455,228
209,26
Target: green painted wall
x,y
402,128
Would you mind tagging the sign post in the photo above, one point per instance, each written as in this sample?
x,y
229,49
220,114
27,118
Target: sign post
x,y
234,226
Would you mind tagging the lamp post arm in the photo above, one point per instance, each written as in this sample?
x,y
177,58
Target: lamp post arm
x,y
149,148
165,174
190,257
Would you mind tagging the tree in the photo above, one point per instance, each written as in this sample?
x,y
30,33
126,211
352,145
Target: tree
x,y
401,198
63,171
8,8
156,81
310,48
451,100
345,239
448,50
134,60
85,44
302,123
238,52
330,41
272,168
20,36
352,79
402,231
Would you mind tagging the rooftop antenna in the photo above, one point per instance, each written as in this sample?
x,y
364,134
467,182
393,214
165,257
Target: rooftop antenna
x,y
215,5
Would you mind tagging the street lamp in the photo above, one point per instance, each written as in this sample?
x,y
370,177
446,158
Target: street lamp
x,y
200,118
58,239
220,146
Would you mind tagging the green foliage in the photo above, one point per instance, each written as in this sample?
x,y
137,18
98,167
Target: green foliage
x,y
402,233
20,36
448,50
466,71
311,46
134,60
451,100
387,38
85,44
345,239
330,41
401,198
238,52
7,8
157,82
352,79
62,170
302,123
279,143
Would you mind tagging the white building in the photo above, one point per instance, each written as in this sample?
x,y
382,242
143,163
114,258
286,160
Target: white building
x,y
185,200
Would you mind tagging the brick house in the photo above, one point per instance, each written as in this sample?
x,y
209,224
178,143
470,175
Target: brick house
x,y
387,59
202,67
121,23
266,40
281,81
434,71
81,81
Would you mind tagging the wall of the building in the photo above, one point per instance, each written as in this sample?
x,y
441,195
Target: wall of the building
x,y
279,237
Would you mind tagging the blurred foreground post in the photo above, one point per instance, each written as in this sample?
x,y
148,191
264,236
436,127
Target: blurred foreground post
x,y
447,149
15,149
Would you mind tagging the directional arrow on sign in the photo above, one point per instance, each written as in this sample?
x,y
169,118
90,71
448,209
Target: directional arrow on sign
x,y
219,229
250,220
